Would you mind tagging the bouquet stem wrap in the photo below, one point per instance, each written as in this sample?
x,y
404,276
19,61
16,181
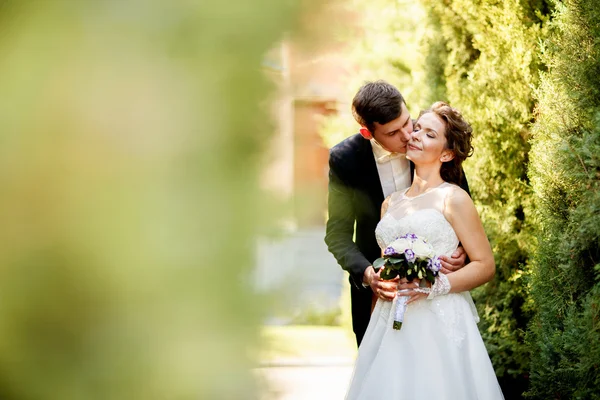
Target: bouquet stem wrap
x,y
400,309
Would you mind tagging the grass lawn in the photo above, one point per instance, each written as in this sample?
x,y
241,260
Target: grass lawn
x,y
306,342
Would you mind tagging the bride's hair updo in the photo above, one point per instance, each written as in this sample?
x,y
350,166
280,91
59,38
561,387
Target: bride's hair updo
x,y
458,139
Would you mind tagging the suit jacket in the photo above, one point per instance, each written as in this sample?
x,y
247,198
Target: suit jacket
x,y
355,197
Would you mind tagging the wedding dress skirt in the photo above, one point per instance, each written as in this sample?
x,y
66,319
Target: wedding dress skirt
x,y
438,353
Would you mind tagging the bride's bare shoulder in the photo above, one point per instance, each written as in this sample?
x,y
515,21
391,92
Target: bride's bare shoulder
x,y
457,198
455,190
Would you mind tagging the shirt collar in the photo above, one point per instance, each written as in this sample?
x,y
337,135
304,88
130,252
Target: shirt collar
x,y
381,154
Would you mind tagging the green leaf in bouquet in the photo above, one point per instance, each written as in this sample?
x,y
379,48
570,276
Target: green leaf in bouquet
x,y
430,278
380,262
388,273
395,260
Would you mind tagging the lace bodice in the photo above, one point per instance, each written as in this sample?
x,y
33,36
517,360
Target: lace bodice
x,y
422,215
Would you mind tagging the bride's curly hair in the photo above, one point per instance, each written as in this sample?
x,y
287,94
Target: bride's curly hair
x,y
458,139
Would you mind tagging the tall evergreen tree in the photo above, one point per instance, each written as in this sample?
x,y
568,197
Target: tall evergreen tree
x,y
565,173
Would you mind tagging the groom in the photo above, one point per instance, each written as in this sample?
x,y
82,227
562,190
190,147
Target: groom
x,y
363,170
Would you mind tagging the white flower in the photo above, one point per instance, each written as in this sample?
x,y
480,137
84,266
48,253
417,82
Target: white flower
x,y
422,249
400,245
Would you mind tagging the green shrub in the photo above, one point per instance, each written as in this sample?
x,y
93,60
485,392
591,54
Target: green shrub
x,y
565,172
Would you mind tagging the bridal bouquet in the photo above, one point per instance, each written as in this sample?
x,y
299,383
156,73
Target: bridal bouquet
x,y
410,257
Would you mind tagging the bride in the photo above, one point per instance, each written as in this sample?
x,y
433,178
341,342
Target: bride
x,y
438,353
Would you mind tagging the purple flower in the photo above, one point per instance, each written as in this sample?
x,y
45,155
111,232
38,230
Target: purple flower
x,y
410,255
434,264
389,251
411,236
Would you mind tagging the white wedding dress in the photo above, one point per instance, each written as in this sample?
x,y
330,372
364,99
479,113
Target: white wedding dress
x,y
438,354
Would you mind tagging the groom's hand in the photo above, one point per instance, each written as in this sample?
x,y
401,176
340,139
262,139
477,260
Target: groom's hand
x,y
454,262
385,290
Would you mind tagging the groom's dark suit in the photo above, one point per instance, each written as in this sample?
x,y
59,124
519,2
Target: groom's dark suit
x,y
355,196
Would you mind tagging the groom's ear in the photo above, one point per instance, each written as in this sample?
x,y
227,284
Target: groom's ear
x,y
364,132
447,155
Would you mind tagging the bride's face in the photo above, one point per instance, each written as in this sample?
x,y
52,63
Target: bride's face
x,y
427,143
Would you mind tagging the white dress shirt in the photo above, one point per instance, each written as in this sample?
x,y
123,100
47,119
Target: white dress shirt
x,y
393,169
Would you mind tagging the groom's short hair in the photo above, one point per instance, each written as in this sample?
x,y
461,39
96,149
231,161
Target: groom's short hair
x,y
376,102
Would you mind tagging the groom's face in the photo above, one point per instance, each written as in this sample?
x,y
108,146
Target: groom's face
x,y
394,135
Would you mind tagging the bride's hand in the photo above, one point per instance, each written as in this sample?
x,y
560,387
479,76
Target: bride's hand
x,y
413,296
411,293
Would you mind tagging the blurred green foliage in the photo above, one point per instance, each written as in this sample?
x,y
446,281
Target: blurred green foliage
x,y
311,315
565,173
131,139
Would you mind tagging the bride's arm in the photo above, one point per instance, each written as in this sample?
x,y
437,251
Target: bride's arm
x,y
462,215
